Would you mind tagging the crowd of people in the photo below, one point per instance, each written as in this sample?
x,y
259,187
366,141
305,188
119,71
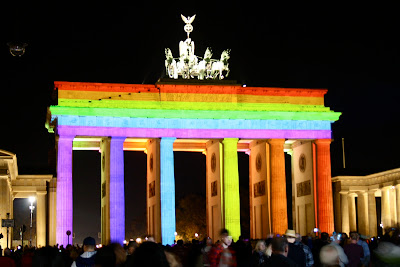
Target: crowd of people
x,y
290,249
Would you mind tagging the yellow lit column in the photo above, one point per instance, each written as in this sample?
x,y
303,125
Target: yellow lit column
x,y
231,188
41,219
398,203
372,213
278,187
385,207
52,198
362,205
344,206
393,212
352,212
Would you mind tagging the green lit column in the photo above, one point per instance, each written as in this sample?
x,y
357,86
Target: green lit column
x,y
231,188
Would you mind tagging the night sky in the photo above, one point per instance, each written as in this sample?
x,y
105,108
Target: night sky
x,y
351,51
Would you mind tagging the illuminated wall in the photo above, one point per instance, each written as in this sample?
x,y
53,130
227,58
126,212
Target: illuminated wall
x,y
172,111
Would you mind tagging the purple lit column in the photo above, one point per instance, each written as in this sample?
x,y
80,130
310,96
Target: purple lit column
x,y
167,190
117,195
64,189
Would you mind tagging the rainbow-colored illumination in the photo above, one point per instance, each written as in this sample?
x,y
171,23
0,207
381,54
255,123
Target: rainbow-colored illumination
x,y
191,111
170,111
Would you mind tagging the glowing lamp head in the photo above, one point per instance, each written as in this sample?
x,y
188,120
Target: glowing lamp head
x,y
32,199
138,240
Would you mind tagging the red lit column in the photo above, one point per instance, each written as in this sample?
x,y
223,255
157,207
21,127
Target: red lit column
x,y
278,187
324,186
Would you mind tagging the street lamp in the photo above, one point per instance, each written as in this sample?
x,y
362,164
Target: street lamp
x,y
31,207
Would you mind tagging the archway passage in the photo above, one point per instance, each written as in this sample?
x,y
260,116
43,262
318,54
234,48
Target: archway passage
x,y
135,194
86,198
190,195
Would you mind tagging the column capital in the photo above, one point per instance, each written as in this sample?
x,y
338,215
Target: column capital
x,y
361,193
167,139
372,191
118,138
279,141
65,138
344,192
323,141
230,140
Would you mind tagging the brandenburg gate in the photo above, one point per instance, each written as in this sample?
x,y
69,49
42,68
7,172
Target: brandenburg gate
x,y
217,119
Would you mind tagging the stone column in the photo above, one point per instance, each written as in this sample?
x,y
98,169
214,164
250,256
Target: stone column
x,y
344,206
372,213
64,189
52,204
278,187
41,219
385,207
231,187
105,190
352,212
398,204
324,186
393,209
153,189
362,206
117,195
214,188
167,190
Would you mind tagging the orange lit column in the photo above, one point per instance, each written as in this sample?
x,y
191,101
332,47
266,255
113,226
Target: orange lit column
x,y
324,186
278,187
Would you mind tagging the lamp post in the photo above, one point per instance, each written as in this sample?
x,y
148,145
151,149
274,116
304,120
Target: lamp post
x,y
31,207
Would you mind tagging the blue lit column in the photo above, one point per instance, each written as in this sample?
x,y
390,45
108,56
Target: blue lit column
x,y
117,196
167,190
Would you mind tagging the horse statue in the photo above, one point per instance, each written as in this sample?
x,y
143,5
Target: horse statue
x,y
204,67
170,64
221,65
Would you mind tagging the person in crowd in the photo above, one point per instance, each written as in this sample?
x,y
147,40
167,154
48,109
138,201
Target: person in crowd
x,y
318,243
243,251
87,258
296,253
268,244
7,261
105,257
149,254
180,251
27,257
221,254
120,254
367,255
353,251
259,255
337,239
280,248
206,251
306,249
132,245
329,256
